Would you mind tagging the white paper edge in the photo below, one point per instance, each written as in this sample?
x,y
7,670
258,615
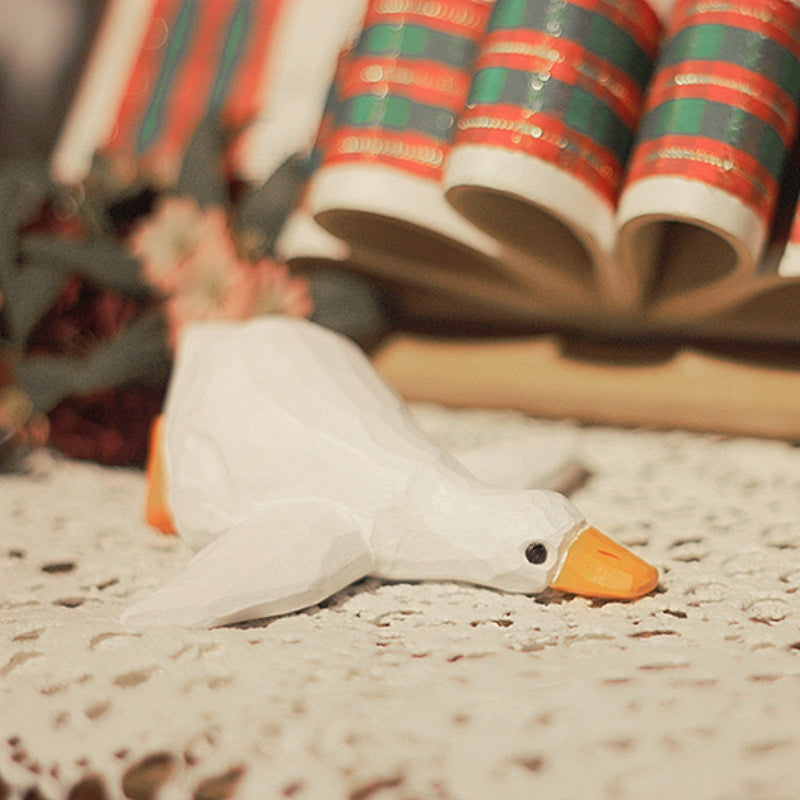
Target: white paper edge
x,y
297,75
552,189
384,190
698,203
303,237
90,122
789,265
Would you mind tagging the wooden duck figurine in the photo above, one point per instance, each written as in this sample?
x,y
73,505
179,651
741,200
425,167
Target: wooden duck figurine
x,y
300,471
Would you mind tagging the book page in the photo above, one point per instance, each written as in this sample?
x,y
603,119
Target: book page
x,y
704,178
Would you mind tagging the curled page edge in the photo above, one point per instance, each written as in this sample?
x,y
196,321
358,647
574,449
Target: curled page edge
x,y
484,177
649,205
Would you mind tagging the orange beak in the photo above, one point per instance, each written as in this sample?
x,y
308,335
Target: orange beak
x,y
596,566
157,511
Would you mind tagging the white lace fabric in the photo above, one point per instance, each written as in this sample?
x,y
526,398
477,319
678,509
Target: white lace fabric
x,y
430,690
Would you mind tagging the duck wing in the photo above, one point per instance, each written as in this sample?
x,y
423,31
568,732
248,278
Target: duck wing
x,y
289,555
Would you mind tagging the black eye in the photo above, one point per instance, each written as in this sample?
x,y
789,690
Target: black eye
x,y
536,553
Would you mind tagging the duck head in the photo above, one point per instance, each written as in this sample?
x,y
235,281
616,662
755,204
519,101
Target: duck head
x,y
523,541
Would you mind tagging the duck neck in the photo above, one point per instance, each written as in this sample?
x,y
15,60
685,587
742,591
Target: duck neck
x,y
440,532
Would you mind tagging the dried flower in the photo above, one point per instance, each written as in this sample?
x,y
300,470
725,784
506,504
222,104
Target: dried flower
x,y
173,235
96,282
82,315
190,255
276,291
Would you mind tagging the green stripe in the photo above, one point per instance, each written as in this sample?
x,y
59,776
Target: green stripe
x,y
416,41
177,47
579,110
731,125
397,113
592,31
732,45
233,50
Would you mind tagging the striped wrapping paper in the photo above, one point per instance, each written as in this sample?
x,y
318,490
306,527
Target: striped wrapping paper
x,y
614,162
564,82
159,67
400,94
626,155
721,119
541,148
723,105
197,59
406,83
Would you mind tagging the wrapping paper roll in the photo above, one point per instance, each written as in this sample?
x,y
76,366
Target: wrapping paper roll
x,y
722,114
541,148
159,67
379,184
610,165
303,59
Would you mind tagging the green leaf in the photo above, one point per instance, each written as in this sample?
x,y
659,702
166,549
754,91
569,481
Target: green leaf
x,y
138,354
105,261
29,294
28,290
261,212
202,173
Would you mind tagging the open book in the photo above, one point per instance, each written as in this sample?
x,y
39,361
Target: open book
x,y
617,167
613,167
607,168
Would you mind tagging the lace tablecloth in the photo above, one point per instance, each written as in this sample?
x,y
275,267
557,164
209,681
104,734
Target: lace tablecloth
x,y
430,691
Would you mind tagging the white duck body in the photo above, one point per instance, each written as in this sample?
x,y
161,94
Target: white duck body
x,y
290,458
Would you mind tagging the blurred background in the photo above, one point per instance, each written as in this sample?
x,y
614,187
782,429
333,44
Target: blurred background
x,y
42,43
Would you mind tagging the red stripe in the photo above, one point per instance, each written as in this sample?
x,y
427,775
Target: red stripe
x,y
408,152
689,157
794,236
429,82
776,19
467,18
557,144
755,94
574,65
243,100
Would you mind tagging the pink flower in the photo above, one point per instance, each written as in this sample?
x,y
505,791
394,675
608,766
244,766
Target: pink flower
x,y
208,292
239,291
174,233
275,291
190,255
